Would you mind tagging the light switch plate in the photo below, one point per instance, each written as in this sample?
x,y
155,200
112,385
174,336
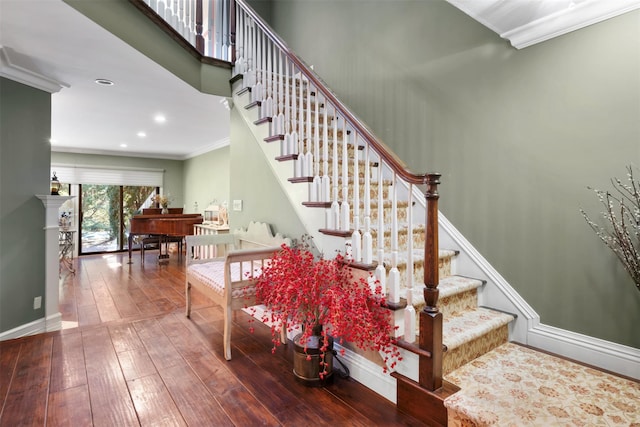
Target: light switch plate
x,y
237,205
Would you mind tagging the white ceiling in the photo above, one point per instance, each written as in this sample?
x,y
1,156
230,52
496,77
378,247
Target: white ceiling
x,y
53,39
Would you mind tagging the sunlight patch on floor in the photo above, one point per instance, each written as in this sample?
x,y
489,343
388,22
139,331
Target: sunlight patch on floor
x,y
69,325
113,261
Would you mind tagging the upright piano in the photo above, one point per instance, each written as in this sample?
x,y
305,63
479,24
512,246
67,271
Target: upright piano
x,y
162,225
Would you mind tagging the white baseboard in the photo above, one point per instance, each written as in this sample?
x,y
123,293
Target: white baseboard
x,y
603,354
31,328
40,326
367,373
54,322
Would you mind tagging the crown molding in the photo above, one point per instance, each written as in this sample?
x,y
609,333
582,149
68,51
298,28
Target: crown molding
x,y
14,66
578,16
215,146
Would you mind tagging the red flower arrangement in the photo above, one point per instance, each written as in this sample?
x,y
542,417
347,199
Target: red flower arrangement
x,y
324,298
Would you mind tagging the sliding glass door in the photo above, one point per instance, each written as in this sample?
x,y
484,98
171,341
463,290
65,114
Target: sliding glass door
x,y
105,214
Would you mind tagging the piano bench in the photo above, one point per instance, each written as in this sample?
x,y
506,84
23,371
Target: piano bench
x,y
153,242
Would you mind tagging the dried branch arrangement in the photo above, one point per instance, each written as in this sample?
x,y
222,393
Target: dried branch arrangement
x,y
622,215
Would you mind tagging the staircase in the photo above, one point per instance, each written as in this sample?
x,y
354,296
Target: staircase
x,y
459,367
356,197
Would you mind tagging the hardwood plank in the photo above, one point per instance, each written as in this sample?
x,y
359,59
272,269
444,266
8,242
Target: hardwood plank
x,y
26,400
300,415
123,302
84,296
88,315
124,337
67,363
280,367
197,405
9,353
157,344
245,409
370,403
136,364
241,406
153,403
259,350
69,407
163,305
110,400
145,306
107,308
274,395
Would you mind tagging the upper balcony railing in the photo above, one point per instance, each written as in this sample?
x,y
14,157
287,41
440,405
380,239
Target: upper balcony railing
x,y
204,24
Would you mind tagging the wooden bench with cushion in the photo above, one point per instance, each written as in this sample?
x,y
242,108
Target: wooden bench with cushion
x,y
229,281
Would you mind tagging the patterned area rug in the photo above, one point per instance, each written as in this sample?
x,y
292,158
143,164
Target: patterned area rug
x,y
516,386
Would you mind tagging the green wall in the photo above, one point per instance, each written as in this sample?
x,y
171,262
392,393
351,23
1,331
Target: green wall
x,y
25,129
173,169
253,182
206,178
517,134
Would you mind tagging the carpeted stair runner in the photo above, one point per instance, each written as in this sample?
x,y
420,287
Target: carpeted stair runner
x,y
513,385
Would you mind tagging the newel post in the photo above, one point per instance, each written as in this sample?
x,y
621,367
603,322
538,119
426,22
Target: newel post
x,y
430,375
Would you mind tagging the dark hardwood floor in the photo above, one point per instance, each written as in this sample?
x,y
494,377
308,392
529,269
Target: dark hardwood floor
x,y
135,359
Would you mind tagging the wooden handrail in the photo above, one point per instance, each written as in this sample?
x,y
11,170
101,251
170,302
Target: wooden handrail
x,y
394,162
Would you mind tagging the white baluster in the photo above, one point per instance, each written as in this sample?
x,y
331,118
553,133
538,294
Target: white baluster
x,y
356,237
251,59
308,160
410,311
394,273
257,59
293,145
335,210
317,181
345,221
287,108
275,122
326,182
301,158
381,272
280,93
328,219
367,239
237,65
335,206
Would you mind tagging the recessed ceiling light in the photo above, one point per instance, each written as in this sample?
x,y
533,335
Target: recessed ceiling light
x,y
123,145
104,82
160,118
141,134
53,141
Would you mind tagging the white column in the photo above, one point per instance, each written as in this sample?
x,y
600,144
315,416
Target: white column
x,y
52,316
